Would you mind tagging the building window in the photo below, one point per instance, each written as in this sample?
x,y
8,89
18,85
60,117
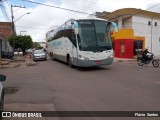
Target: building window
x,y
155,23
149,22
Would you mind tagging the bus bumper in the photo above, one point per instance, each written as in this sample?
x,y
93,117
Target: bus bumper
x,y
92,63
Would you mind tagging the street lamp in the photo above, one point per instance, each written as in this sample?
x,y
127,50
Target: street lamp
x,y
13,26
12,17
22,31
22,16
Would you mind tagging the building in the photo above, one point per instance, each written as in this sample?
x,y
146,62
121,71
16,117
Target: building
x,y
6,51
137,29
6,29
42,44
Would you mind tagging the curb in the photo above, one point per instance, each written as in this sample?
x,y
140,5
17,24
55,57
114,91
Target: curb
x,y
10,66
5,62
125,60
31,64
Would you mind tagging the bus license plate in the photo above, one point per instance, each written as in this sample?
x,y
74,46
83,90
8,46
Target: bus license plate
x,y
98,62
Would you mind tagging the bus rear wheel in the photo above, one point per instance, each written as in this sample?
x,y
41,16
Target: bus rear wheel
x,y
52,57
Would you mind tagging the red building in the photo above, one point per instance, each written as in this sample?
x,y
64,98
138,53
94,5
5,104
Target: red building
x,y
6,29
126,45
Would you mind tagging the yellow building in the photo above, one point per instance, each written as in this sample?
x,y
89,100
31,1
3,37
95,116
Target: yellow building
x,y
136,25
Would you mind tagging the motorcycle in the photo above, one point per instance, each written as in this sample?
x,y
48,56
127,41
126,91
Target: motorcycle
x,y
151,58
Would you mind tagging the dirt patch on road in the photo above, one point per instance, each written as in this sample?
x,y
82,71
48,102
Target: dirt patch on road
x,y
10,90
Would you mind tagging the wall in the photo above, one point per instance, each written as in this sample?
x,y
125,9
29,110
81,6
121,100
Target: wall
x,y
123,34
151,32
6,50
127,23
6,29
124,48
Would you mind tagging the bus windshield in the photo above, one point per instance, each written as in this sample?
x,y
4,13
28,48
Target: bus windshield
x,y
94,35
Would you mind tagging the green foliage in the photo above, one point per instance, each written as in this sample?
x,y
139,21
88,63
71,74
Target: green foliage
x,y
40,47
23,42
36,45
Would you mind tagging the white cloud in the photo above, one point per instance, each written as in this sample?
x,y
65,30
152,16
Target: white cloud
x,y
42,18
154,6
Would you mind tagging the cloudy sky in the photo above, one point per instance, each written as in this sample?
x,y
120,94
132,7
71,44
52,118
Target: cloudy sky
x,y
42,18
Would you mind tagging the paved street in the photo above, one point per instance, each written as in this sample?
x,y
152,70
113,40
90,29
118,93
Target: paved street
x,y
52,85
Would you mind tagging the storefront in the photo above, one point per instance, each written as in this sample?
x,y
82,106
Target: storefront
x,y
126,45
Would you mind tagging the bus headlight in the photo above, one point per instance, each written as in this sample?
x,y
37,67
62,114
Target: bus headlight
x,y
110,56
82,57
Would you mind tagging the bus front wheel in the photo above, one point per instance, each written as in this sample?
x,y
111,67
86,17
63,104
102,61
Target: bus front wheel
x,y
69,62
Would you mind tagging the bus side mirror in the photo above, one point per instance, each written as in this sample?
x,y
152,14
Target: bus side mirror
x,y
75,27
2,78
72,21
114,25
76,31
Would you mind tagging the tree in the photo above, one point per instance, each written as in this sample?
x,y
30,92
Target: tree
x,y
36,45
22,42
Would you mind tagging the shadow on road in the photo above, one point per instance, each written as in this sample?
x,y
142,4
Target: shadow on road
x,y
97,68
91,68
149,66
59,61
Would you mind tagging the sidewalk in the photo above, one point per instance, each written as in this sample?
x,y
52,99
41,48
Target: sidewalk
x,y
131,60
18,61
124,60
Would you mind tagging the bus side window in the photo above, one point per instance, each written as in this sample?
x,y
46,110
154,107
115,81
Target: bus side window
x,y
74,40
79,41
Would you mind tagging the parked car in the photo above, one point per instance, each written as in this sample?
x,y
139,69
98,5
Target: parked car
x,y
7,55
39,55
2,78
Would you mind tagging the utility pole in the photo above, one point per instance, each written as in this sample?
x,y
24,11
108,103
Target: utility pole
x,y
12,17
13,26
22,31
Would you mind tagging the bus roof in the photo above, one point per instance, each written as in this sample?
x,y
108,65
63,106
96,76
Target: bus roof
x,y
86,18
90,18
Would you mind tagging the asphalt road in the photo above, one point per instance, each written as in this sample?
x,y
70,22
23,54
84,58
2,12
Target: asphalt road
x,y
122,86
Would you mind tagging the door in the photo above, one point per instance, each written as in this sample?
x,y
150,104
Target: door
x,y
138,44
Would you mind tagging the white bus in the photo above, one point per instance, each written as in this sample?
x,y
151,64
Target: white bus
x,y
82,42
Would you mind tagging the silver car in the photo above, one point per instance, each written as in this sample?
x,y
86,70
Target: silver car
x,y
2,78
39,55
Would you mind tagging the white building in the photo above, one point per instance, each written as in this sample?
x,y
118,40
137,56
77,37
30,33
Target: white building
x,y
42,44
143,23
149,27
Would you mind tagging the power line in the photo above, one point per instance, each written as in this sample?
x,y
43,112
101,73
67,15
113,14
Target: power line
x,y
31,27
36,23
137,12
8,5
147,8
83,12
57,7
3,8
91,4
